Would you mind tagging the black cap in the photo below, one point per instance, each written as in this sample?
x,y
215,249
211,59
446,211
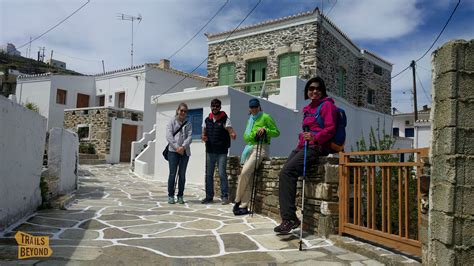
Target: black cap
x,y
254,102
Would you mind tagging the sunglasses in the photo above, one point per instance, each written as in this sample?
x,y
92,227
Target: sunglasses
x,y
215,106
183,111
313,88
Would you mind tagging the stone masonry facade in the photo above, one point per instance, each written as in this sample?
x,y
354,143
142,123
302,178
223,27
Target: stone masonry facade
x,y
451,215
321,198
100,121
320,53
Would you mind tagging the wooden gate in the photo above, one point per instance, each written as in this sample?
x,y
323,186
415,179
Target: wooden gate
x,y
380,198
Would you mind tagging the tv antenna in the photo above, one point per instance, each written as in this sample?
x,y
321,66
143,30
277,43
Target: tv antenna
x,y
122,16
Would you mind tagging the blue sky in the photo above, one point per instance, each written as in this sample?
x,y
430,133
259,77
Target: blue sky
x,y
397,30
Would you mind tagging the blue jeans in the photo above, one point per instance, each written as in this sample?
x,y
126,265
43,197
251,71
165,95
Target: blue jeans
x,y
221,160
175,160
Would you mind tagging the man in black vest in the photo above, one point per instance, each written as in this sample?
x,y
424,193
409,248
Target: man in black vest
x,y
217,132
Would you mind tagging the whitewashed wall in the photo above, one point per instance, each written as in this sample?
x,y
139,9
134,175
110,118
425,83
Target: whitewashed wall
x,y
63,158
35,90
158,82
73,85
22,140
423,135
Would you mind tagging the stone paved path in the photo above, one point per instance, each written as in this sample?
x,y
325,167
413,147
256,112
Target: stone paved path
x,y
119,219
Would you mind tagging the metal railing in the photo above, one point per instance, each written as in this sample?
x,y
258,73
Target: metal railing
x,y
380,198
271,87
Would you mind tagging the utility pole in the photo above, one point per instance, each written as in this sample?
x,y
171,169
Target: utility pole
x,y
132,19
50,60
414,89
103,66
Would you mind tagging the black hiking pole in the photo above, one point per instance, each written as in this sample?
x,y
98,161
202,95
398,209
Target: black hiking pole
x,y
305,129
254,182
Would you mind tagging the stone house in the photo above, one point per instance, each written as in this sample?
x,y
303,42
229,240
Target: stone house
x,y
108,110
303,45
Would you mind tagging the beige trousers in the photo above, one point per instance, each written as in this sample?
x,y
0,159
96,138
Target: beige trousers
x,y
244,187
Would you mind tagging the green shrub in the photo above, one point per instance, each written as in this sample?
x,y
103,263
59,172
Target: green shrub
x,y
32,106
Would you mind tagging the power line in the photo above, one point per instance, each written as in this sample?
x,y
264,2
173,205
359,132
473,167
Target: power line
x,y
441,32
205,59
207,23
424,91
36,38
434,42
327,14
82,59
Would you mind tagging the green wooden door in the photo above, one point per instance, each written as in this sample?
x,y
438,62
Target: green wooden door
x,y
226,74
289,65
256,71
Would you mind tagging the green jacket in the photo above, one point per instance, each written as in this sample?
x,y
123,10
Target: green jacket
x,y
264,121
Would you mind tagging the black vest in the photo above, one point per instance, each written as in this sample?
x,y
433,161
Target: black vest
x,y
218,139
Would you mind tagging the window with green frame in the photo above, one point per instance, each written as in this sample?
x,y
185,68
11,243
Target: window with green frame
x,y
226,74
341,81
289,64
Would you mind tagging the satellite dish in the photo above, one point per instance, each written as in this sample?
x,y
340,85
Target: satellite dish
x,y
139,18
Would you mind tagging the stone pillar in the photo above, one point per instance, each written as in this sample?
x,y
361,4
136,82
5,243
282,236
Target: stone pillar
x,y
451,222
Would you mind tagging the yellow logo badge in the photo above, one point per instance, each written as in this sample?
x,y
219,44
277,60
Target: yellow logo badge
x,y
30,246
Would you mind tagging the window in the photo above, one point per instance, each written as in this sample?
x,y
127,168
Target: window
x,y
226,74
377,70
407,122
195,118
409,132
110,98
83,132
82,100
370,96
341,81
120,100
289,64
396,132
101,100
61,96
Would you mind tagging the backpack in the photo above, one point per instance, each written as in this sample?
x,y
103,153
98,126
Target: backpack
x,y
336,143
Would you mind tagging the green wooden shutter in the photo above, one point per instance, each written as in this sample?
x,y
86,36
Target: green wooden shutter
x,y
289,64
226,74
256,71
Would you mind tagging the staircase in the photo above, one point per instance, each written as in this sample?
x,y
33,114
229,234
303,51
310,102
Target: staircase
x,y
85,158
140,146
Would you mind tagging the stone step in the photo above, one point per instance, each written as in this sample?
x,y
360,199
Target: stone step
x,y
92,161
88,156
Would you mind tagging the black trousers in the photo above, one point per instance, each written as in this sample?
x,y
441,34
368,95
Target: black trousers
x,y
288,179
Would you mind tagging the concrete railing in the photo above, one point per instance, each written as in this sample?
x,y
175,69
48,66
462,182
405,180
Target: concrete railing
x,y
144,164
139,145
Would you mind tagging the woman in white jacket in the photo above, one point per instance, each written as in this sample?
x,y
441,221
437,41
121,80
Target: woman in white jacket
x,y
179,151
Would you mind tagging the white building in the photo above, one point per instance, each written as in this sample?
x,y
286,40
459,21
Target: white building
x,y
285,108
126,89
409,133
10,49
56,63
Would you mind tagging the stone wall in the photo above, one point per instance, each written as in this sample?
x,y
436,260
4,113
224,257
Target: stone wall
x,y
321,198
321,53
451,222
100,121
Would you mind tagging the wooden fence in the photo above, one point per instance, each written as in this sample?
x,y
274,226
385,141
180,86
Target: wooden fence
x,y
380,198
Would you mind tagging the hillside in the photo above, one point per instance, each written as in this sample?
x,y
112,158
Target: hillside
x,y
26,66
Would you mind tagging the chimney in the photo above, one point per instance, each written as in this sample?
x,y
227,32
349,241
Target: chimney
x,y
164,63
425,107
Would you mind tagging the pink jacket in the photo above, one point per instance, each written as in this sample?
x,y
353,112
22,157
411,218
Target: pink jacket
x,y
328,113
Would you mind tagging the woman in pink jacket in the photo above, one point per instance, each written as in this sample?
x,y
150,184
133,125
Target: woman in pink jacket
x,y
318,145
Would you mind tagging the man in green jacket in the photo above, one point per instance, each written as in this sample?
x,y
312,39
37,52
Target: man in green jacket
x,y
260,127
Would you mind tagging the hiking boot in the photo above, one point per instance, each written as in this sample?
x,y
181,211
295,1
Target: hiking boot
x,y
236,207
241,211
206,201
286,226
180,200
225,201
171,200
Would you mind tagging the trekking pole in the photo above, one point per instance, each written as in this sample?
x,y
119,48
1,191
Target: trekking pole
x,y
254,183
305,129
